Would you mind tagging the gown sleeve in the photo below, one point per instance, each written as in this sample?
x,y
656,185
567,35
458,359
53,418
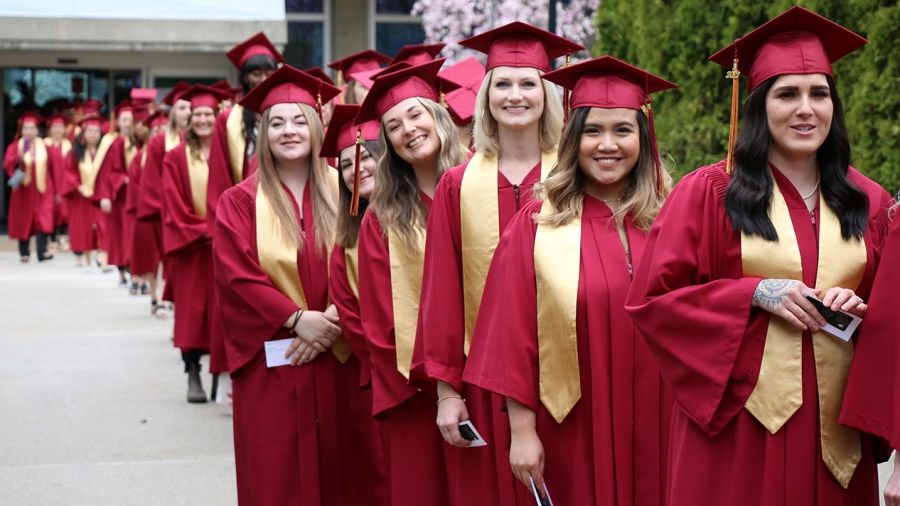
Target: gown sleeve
x,y
694,307
219,172
150,197
11,158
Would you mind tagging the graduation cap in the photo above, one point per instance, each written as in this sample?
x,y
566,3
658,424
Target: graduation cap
x,y
391,88
175,93
609,83
201,95
364,60
256,45
519,44
319,74
56,119
343,132
122,107
89,119
158,118
141,113
143,95
458,85
31,117
797,41
416,54
288,85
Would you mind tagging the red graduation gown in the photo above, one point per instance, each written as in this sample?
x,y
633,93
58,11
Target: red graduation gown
x,y
30,211
414,445
148,229
611,447
187,247
57,167
872,399
83,214
475,475
132,191
293,426
111,183
693,306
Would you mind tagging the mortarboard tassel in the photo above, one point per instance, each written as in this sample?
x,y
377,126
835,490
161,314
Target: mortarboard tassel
x,y
733,74
354,200
319,106
443,99
654,150
567,93
339,79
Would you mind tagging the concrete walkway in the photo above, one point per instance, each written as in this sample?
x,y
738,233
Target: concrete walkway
x,y
92,397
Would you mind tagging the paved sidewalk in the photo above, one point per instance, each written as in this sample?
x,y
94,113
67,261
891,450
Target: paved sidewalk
x,y
92,397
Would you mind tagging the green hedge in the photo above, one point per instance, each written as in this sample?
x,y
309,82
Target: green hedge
x,y
674,38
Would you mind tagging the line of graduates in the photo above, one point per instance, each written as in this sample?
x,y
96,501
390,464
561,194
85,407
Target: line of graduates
x,y
462,243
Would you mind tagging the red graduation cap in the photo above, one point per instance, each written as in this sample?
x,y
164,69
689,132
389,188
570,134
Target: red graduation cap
x,y
201,95
609,83
416,54
158,118
519,44
143,95
141,113
56,119
256,45
319,74
458,85
175,93
461,105
797,41
357,62
30,117
123,106
222,84
288,85
392,88
343,128
92,105
366,78
91,119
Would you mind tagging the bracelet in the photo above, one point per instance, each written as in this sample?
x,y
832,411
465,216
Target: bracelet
x,y
444,398
297,316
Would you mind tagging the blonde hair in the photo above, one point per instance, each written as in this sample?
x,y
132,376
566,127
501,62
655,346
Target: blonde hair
x,y
324,194
350,93
485,125
396,196
564,188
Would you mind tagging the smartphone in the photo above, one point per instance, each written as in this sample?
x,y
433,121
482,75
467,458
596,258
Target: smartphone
x,y
837,319
539,498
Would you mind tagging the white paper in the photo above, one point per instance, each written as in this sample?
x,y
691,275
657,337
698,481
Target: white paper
x,y
275,352
843,334
537,498
478,441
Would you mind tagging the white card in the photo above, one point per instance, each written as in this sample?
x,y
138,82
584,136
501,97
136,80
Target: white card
x,y
545,501
275,352
467,426
847,333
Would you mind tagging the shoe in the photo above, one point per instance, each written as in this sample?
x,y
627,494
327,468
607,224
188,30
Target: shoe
x,y
134,289
24,259
45,258
195,393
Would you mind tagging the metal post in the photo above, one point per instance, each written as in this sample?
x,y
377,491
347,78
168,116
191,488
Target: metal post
x,y
551,24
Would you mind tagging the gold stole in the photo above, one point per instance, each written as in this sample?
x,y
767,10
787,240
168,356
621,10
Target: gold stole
x,y
278,259
406,287
65,145
36,162
172,139
479,214
198,175
237,147
351,260
779,390
557,262
88,170
130,152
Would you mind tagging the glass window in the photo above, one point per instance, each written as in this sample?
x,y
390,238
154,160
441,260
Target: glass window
x,y
17,86
390,37
305,44
394,6
124,81
56,85
304,6
98,87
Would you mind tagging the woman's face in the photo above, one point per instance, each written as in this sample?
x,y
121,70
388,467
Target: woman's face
x,y
516,96
288,133
182,112
257,76
57,131
29,131
141,131
609,149
411,131
124,122
799,111
91,135
203,119
367,164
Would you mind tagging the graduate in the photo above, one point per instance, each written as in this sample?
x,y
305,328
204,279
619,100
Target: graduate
x,y
185,234
31,199
58,148
111,185
519,117
272,237
421,144
368,62
587,412
148,228
721,292
141,135
343,139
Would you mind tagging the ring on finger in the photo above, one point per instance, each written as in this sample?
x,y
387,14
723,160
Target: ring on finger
x,y
859,300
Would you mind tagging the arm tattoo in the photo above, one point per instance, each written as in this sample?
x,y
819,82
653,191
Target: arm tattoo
x,y
772,292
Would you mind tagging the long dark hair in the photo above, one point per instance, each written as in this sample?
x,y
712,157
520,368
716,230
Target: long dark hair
x,y
348,226
750,188
80,146
254,63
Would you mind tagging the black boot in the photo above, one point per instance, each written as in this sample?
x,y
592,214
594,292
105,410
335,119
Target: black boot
x,y
195,393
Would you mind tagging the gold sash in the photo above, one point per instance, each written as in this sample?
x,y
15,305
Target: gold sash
x,y
88,170
36,162
557,261
130,153
198,174
406,288
172,139
351,259
479,213
65,145
779,390
237,147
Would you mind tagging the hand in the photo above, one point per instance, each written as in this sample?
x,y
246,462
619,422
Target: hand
x,y
844,299
451,411
526,453
332,313
892,488
106,205
300,352
317,329
786,298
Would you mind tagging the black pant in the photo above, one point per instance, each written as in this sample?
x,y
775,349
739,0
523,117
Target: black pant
x,y
41,246
191,356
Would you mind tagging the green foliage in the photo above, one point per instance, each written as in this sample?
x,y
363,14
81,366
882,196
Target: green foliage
x,y
674,38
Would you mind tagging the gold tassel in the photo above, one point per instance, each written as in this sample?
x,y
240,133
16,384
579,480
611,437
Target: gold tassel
x,y
319,106
354,200
339,79
734,75
567,93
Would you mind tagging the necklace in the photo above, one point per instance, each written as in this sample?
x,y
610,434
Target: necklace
x,y
611,201
816,187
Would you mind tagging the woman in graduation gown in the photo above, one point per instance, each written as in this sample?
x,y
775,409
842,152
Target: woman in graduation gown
x,y
587,411
421,143
363,436
272,237
112,182
141,135
31,202
58,147
518,122
185,235
720,294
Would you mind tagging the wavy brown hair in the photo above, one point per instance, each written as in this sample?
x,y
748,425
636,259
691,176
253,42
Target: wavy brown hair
x,y
564,188
324,195
396,196
348,226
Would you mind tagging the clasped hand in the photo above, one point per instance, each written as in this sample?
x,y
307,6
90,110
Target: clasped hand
x,y
786,298
316,332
